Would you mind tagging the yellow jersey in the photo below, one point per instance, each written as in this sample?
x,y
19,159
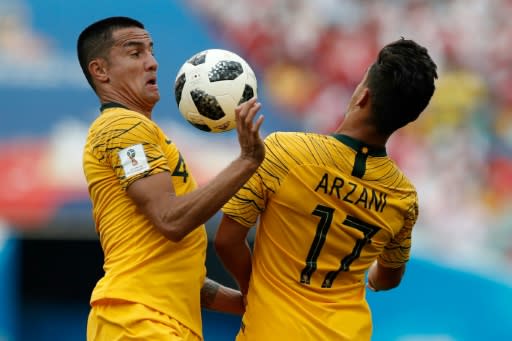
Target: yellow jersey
x,y
328,206
140,264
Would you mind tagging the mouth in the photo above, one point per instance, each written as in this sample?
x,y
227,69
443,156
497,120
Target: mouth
x,y
151,81
152,84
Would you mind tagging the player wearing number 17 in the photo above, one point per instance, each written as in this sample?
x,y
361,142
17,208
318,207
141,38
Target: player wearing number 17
x,y
331,208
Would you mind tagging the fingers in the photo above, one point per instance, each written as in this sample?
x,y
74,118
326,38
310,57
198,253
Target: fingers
x,y
245,114
243,109
258,123
248,129
250,116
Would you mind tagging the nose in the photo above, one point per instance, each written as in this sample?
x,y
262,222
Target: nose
x,y
151,63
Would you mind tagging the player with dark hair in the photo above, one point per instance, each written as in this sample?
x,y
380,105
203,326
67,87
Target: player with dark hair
x,y
148,211
330,208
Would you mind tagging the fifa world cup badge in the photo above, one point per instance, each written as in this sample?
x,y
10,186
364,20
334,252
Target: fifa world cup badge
x,y
131,154
134,160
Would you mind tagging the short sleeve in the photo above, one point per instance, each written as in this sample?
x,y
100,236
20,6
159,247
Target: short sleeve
x,y
131,146
250,201
397,252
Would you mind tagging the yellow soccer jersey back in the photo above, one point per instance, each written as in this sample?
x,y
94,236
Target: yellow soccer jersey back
x,y
329,207
141,265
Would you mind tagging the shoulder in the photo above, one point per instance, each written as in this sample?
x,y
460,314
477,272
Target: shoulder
x,y
409,194
295,148
119,128
293,137
119,116
406,184
123,121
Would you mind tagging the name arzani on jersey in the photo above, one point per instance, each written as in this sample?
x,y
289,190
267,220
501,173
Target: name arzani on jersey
x,y
352,192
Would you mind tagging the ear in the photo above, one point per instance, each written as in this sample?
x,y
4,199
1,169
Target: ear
x,y
364,98
98,70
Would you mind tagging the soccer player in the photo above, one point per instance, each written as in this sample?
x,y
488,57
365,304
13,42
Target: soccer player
x,y
148,211
329,208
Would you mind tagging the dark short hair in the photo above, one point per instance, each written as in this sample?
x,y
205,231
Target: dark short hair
x,y
401,84
96,40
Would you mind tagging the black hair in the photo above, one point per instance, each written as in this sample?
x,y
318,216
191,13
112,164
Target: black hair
x,y
96,40
401,84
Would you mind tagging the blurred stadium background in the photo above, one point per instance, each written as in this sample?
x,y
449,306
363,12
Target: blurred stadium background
x,y
308,55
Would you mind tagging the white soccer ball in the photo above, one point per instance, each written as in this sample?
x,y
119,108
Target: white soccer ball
x,y
210,85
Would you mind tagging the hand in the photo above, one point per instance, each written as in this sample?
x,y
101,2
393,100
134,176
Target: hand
x,y
251,143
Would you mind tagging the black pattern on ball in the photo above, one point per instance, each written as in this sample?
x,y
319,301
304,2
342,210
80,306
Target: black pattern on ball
x,y
202,127
197,59
225,70
178,88
207,105
247,95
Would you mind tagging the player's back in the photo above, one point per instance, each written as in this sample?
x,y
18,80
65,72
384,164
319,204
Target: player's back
x,y
333,206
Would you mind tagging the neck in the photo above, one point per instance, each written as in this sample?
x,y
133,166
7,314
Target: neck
x,y
362,131
141,108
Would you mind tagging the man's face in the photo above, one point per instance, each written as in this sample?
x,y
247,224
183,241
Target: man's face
x,y
132,67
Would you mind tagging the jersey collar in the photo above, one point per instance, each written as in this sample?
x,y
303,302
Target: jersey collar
x,y
360,146
109,105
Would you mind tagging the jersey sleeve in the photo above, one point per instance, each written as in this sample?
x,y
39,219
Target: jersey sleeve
x,y
398,250
131,146
250,201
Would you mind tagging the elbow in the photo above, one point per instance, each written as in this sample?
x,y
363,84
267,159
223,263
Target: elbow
x,y
388,285
381,278
174,231
383,285
174,235
177,229
175,225
396,283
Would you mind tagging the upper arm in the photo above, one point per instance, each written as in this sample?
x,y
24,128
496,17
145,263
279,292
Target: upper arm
x,y
132,147
151,195
234,251
230,232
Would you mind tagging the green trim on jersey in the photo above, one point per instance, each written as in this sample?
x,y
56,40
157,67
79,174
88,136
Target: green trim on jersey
x,y
359,164
360,145
363,150
109,105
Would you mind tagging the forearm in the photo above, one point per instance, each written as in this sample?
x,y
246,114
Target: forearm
x,y
176,216
182,214
236,258
220,298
